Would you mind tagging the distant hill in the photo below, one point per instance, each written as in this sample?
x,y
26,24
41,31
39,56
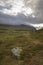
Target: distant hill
x,y
21,26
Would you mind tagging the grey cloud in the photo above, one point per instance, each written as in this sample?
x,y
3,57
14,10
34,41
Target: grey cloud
x,y
20,19
39,9
40,5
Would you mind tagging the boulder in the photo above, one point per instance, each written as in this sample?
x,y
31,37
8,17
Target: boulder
x,y
16,51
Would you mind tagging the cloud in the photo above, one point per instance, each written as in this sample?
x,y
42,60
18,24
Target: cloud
x,y
39,9
26,7
14,7
21,12
19,19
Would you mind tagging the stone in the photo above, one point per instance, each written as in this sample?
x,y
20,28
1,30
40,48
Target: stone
x,y
17,51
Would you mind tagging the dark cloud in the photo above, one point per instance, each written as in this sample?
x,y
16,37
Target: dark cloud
x,y
20,19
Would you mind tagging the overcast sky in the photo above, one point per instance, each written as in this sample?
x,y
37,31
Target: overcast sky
x,y
21,11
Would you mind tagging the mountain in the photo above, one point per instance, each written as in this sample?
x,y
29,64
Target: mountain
x,y
21,26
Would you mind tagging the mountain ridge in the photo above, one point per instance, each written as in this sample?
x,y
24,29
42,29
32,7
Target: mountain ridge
x,y
21,26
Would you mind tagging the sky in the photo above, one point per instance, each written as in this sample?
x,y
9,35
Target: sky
x,y
21,12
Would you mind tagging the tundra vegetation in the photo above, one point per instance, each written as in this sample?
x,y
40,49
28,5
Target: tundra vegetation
x,y
30,41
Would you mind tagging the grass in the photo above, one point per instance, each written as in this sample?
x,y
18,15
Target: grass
x,y
29,40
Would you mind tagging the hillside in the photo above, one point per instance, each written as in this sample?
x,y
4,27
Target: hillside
x,y
31,41
21,26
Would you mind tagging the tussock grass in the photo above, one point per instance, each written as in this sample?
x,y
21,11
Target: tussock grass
x,y
29,40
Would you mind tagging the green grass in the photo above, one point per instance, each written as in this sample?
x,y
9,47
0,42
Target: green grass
x,y
29,40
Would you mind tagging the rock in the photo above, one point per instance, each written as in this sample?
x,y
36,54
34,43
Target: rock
x,y
17,51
